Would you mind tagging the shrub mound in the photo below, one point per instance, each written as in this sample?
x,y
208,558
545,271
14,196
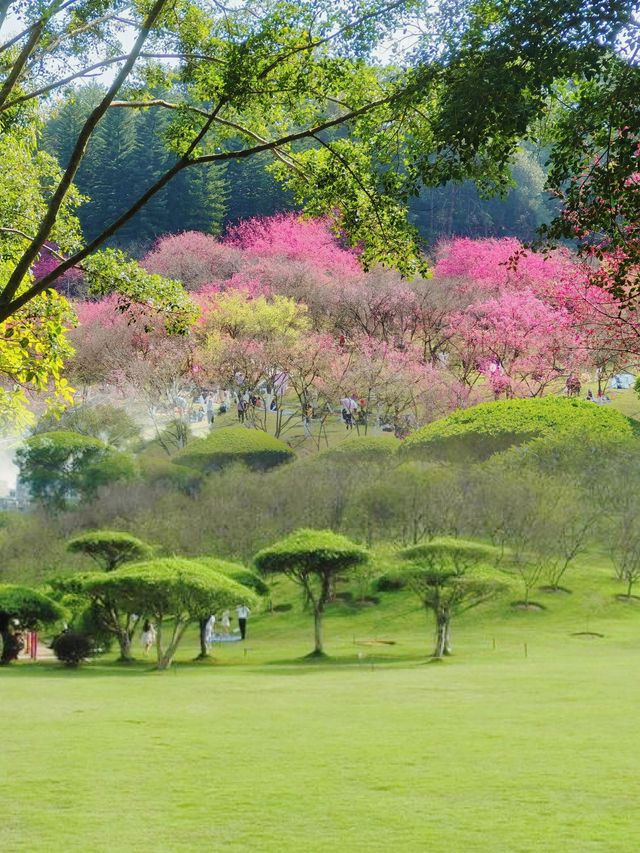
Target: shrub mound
x,y
222,447
488,428
365,448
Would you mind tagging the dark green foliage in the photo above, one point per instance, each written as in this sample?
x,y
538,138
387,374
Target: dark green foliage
x,y
170,474
73,647
30,609
61,468
90,622
126,154
110,548
488,428
459,209
390,582
222,447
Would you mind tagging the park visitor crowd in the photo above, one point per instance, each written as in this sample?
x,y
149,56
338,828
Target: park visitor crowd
x,y
149,634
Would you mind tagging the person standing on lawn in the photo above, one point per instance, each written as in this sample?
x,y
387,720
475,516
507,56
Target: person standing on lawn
x,y
243,614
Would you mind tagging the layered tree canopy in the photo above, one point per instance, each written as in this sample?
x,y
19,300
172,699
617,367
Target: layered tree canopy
x,y
170,588
110,548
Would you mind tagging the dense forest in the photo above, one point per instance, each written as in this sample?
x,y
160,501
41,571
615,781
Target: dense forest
x,y
130,144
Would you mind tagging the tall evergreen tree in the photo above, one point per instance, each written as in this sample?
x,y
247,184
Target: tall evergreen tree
x,y
129,150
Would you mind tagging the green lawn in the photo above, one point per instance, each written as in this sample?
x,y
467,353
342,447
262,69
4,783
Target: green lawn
x,y
490,751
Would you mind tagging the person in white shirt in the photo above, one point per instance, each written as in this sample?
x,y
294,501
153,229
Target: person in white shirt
x,y
243,614
210,629
148,636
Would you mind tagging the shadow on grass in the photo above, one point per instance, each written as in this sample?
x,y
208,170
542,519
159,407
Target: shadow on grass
x,y
144,668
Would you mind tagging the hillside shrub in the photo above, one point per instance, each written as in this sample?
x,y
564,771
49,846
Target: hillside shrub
x,y
488,428
390,582
222,447
170,474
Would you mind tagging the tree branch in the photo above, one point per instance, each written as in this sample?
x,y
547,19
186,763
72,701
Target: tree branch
x,y
4,229
9,307
245,131
21,61
76,157
104,63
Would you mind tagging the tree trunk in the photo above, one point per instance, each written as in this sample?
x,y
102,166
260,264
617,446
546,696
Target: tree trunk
x,y
6,637
317,631
124,641
442,636
165,659
448,647
204,651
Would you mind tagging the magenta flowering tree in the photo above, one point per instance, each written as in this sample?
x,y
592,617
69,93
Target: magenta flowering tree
x,y
289,235
517,343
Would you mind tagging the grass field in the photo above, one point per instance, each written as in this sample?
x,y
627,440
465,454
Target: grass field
x,y
372,750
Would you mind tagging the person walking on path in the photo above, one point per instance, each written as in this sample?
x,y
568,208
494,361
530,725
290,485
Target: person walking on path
x,y
243,614
225,621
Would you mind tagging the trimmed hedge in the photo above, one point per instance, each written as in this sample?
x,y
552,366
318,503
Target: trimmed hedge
x,y
73,647
480,431
222,447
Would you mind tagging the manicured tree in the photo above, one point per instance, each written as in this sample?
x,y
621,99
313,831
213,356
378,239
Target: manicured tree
x,y
110,548
112,619
312,559
30,609
172,590
444,575
236,572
